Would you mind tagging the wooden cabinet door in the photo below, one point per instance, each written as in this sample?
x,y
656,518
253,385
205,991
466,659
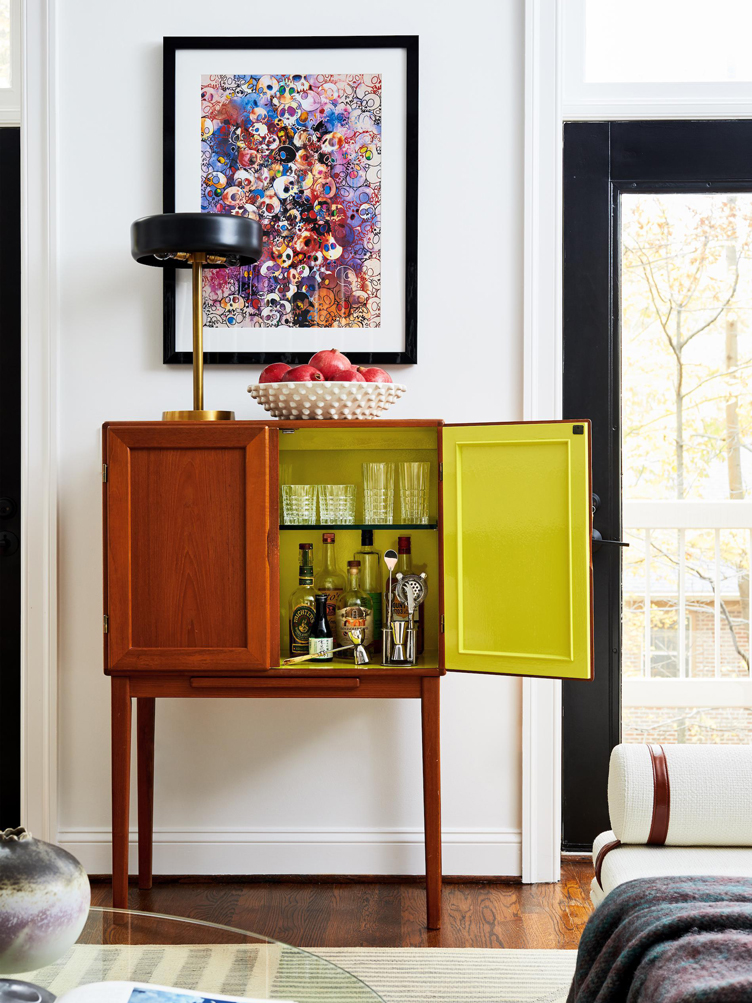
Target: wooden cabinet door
x,y
190,535
517,530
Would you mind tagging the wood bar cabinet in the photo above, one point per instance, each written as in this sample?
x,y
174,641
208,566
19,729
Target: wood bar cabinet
x,y
198,570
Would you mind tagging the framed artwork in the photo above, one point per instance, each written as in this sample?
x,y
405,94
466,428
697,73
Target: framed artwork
x,y
318,139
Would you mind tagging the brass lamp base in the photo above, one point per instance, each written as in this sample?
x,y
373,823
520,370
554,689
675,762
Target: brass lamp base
x,y
198,416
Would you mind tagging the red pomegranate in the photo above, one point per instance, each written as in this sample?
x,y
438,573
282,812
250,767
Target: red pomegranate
x,y
374,375
302,374
274,373
330,363
351,376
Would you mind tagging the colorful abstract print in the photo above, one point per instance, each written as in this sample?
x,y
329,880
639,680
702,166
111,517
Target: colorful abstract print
x,y
302,154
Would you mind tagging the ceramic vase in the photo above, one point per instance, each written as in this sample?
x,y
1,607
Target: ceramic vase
x,y
44,901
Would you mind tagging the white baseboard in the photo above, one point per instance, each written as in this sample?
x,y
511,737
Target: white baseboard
x,y
305,851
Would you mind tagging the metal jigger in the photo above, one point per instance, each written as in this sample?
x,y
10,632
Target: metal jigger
x,y
400,637
361,655
399,633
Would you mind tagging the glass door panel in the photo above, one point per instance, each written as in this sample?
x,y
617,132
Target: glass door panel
x,y
686,344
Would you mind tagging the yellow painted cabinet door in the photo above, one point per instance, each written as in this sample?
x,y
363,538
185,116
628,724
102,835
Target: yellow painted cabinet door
x,y
517,549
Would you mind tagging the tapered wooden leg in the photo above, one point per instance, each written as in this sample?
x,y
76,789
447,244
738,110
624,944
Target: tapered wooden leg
x,y
121,781
429,706
145,746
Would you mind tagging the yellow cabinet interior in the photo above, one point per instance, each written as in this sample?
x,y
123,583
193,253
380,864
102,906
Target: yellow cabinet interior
x,y
515,530
336,456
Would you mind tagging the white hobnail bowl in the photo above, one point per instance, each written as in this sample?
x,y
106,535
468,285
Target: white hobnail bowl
x,y
326,400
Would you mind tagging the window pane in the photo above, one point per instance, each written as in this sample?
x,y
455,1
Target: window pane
x,y
692,725
675,41
686,276
5,55
686,339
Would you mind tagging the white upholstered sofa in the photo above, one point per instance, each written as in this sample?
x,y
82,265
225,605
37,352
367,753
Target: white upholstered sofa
x,y
675,809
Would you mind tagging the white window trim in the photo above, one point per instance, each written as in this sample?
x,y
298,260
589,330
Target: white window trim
x,y
552,97
582,101
10,97
39,678
541,698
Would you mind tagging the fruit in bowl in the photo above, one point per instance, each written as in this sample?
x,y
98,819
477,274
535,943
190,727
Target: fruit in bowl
x,y
302,374
374,374
331,364
274,373
329,386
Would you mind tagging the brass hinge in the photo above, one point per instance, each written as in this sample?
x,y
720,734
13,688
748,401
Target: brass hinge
x,y
104,473
441,471
106,624
442,623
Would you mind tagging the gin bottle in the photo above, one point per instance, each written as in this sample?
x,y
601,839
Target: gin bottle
x,y
330,580
354,610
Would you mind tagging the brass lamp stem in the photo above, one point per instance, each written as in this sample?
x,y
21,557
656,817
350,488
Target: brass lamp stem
x,y
198,413
198,332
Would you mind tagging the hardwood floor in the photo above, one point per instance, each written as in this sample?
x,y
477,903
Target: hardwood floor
x,y
380,914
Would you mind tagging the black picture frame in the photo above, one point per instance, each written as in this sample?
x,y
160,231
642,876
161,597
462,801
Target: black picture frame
x,y
171,47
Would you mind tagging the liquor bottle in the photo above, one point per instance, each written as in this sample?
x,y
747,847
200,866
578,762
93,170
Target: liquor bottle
x,y
399,609
370,580
354,609
302,603
330,581
320,641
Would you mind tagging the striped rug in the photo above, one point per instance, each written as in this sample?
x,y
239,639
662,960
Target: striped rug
x,y
397,975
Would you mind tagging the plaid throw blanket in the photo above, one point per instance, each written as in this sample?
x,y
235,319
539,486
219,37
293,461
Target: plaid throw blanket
x,y
668,940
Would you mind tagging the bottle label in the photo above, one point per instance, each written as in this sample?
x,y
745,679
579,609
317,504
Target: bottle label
x,y
351,617
399,609
321,647
375,598
332,595
301,622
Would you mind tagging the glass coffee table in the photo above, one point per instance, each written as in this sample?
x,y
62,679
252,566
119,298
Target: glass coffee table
x,y
204,958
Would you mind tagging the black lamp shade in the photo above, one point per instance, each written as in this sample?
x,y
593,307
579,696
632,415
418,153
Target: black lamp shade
x,y
155,238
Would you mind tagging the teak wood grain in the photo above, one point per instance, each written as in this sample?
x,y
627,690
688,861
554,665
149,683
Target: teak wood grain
x,y
246,683
189,575
121,785
145,714
401,687
191,585
432,797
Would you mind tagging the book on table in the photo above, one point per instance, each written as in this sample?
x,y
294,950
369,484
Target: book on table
x,y
142,992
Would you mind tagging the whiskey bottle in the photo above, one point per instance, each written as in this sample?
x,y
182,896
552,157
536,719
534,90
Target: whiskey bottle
x,y
354,610
399,609
302,603
320,641
330,581
370,580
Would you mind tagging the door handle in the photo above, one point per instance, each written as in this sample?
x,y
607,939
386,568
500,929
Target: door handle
x,y
8,543
7,508
598,542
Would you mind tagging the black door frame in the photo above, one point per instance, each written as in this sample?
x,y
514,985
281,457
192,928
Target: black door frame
x,y
602,160
10,475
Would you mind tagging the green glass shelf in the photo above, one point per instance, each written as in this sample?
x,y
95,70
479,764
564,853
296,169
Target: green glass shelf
x,y
365,525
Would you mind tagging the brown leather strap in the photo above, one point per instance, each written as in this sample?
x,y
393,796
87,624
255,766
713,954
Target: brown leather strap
x,y
606,848
661,796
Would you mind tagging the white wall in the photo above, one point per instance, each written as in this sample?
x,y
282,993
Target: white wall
x,y
304,786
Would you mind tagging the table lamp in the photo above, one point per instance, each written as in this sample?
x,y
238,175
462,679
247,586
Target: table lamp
x,y
197,240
